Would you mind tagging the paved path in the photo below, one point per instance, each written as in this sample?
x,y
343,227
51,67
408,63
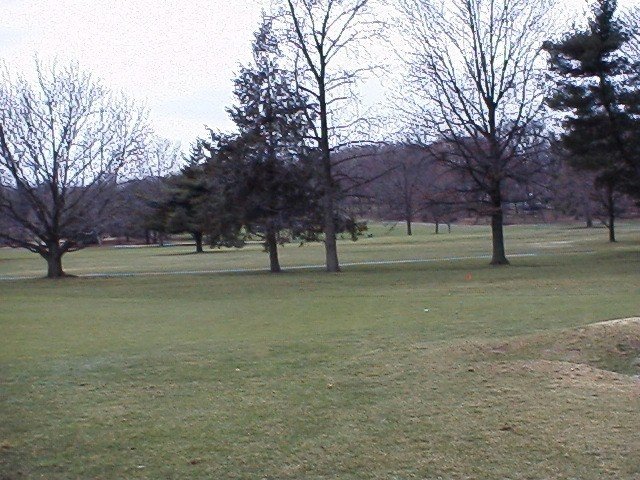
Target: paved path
x,y
288,268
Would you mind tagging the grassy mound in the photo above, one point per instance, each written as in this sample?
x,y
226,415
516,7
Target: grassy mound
x,y
612,346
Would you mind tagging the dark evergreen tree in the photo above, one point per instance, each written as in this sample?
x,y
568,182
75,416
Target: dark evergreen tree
x,y
594,85
187,197
195,201
271,175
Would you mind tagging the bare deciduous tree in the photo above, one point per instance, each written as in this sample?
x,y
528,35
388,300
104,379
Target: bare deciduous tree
x,y
133,208
162,158
64,142
407,175
473,71
325,35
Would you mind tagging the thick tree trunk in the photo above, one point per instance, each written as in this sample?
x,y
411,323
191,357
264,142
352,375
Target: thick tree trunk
x,y
611,211
330,241
586,208
612,229
408,207
498,256
54,262
272,248
437,227
197,236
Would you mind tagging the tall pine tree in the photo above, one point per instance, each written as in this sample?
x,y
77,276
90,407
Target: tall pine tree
x,y
188,193
594,87
273,185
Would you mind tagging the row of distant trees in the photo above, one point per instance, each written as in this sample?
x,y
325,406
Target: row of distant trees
x,y
410,185
477,133
417,187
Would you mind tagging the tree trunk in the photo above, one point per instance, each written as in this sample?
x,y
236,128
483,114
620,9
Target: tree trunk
x,y
54,262
497,233
611,211
587,211
437,227
612,230
197,236
448,228
272,248
408,207
330,241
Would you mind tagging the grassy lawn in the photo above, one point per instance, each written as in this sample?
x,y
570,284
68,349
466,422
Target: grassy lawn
x,y
444,369
383,242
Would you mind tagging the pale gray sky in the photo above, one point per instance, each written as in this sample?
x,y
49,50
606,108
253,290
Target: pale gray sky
x,y
178,56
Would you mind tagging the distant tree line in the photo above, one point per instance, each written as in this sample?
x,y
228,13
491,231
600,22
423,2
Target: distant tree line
x,y
501,116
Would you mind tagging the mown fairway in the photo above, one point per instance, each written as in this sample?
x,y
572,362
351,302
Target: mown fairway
x,y
310,375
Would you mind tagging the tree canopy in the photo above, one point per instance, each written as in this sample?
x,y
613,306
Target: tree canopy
x,y
598,89
65,140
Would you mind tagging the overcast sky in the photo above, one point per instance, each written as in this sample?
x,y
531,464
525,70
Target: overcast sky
x,y
178,56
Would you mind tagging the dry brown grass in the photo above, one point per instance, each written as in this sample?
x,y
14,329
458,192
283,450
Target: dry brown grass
x,y
611,346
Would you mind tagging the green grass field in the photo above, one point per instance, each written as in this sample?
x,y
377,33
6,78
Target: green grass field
x,y
310,375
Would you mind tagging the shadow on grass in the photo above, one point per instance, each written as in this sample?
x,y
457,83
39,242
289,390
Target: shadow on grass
x,y
185,254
